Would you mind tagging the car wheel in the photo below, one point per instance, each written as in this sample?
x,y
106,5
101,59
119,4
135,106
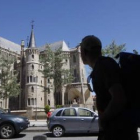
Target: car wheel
x,y
58,131
7,131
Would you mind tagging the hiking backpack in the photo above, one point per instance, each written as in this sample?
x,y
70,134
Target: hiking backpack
x,y
130,75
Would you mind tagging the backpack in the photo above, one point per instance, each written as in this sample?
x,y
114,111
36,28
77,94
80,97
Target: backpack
x,y
130,75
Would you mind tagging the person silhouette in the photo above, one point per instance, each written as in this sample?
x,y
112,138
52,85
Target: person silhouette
x,y
110,95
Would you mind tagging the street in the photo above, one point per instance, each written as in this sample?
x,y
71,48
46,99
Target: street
x,y
30,135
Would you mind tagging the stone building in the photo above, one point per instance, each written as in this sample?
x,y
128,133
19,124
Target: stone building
x,y
32,81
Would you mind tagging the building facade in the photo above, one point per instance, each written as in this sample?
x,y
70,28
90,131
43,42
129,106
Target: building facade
x,y
32,80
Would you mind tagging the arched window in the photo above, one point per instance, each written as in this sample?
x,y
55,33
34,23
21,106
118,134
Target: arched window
x,y
32,67
1,104
48,102
41,98
27,79
32,89
31,79
48,80
32,56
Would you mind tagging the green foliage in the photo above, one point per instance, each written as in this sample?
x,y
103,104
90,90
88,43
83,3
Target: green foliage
x,y
47,58
112,49
53,62
135,52
59,106
8,77
47,109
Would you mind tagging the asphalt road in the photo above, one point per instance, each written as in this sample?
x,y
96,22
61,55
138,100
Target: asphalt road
x,y
30,135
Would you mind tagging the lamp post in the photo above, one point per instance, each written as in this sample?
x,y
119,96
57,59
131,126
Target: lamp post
x,y
82,90
36,105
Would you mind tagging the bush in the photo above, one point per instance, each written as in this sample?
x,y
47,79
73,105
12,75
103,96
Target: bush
x,y
59,106
47,109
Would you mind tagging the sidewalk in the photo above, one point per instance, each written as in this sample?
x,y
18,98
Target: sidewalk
x,y
38,123
37,126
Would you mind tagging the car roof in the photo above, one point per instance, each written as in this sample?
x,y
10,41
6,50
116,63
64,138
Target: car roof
x,y
74,108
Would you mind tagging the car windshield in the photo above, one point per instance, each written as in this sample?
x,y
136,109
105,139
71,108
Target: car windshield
x,y
2,111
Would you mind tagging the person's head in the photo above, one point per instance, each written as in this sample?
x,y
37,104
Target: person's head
x,y
90,49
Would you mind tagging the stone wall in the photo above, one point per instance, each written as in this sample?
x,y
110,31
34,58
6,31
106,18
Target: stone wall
x,y
31,113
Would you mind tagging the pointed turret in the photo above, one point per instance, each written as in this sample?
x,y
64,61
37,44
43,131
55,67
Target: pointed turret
x,y
32,43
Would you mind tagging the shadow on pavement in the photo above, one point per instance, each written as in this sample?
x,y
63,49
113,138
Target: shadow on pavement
x,y
49,134
18,136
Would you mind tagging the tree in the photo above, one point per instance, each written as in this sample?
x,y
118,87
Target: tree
x,y
8,78
53,62
113,49
47,109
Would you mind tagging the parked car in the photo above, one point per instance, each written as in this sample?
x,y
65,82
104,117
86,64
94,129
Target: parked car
x,y
11,125
73,120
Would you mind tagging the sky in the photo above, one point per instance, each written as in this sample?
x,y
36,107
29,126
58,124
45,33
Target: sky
x,y
71,20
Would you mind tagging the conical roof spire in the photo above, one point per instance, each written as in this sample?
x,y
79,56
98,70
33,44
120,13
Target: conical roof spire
x,y
32,43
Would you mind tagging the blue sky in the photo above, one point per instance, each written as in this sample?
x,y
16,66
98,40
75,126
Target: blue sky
x,y
71,20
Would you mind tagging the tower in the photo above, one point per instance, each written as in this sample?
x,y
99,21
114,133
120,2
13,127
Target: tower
x,y
34,95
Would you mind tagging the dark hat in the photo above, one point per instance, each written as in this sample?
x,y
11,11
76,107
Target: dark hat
x,y
91,42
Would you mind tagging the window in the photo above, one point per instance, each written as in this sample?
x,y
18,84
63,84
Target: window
x,y
48,102
32,89
69,112
28,101
85,113
59,113
48,80
32,67
1,104
32,56
31,79
41,98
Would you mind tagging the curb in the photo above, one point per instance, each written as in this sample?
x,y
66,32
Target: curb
x,y
36,129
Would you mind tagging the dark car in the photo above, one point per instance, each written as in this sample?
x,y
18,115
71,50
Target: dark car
x,y
73,120
11,125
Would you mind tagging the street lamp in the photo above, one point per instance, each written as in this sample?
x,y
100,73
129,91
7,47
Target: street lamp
x,y
36,105
82,90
